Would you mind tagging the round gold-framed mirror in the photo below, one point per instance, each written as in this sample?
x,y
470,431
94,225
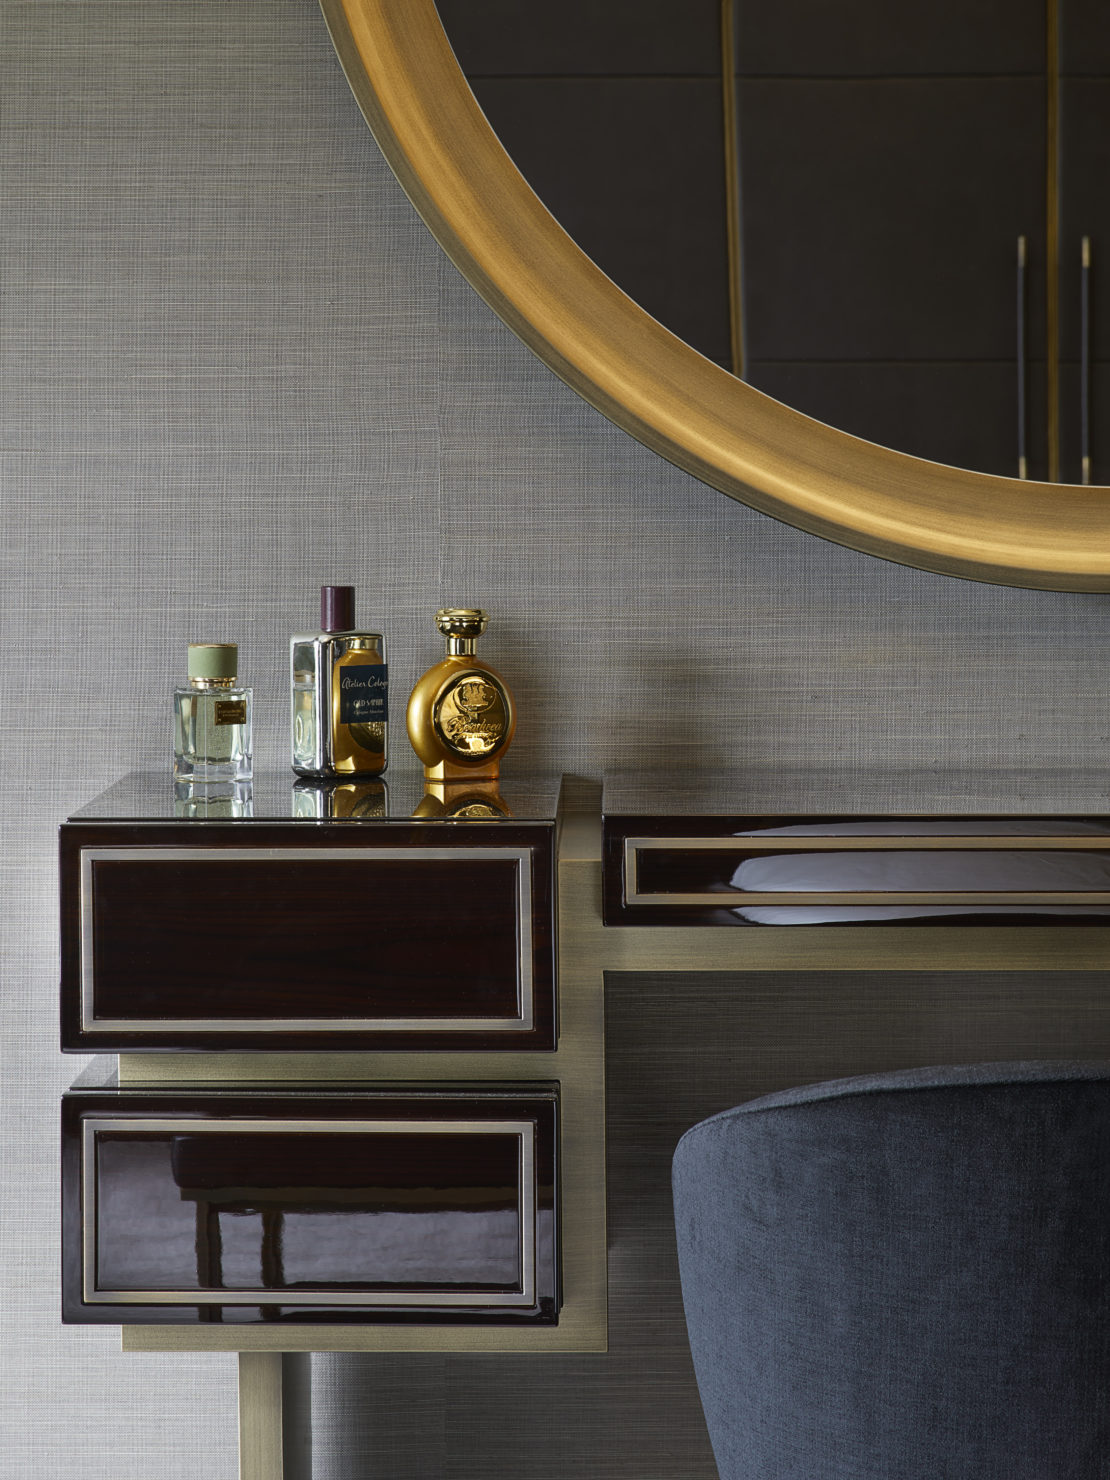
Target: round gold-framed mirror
x,y
656,387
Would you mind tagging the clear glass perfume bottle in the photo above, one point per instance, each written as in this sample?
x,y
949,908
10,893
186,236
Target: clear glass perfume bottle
x,y
461,716
340,693
211,800
212,718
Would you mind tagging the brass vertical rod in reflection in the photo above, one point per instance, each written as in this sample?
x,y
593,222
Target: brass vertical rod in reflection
x,y
1052,236
1022,360
732,187
1085,362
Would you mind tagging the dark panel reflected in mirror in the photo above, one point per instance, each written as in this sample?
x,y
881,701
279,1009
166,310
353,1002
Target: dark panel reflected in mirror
x,y
887,164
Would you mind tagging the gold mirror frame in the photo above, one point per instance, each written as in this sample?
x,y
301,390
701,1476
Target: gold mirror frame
x,y
656,387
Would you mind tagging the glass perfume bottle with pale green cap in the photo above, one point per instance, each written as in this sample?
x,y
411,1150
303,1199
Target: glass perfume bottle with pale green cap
x,y
212,718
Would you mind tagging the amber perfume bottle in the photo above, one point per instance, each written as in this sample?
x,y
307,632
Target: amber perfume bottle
x,y
212,718
340,693
461,716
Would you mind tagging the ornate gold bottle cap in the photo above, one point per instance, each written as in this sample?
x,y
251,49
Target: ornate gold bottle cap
x,y
461,621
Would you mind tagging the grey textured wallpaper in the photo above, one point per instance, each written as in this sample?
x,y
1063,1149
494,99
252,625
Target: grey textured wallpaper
x,y
234,366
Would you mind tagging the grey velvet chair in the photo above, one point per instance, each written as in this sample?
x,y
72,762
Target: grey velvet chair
x,y
904,1277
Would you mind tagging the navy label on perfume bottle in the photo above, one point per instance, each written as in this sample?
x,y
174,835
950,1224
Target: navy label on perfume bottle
x,y
364,694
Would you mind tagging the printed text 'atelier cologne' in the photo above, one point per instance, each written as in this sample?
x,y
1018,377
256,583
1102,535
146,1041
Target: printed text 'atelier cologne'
x,y
212,718
461,716
340,689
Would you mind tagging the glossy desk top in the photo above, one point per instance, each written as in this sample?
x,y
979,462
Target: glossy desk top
x,y
279,796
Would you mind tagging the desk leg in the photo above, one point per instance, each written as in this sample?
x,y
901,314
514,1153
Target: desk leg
x,y
274,1434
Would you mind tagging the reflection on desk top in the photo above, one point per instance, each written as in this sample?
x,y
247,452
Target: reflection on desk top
x,y
794,794
402,795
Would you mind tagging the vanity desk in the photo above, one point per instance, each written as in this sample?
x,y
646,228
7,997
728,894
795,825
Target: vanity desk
x,y
344,1012
357,1104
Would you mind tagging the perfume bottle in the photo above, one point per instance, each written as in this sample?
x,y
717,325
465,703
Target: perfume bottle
x,y
461,716
458,801
366,799
212,718
223,801
340,692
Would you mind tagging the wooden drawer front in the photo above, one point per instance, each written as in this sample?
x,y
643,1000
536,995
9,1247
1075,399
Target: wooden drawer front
x,y
800,871
371,1207
429,946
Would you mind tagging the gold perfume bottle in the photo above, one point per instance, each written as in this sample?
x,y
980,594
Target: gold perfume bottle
x,y
462,801
461,716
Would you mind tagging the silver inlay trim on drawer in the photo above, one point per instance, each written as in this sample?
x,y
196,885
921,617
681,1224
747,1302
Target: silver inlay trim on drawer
x,y
522,1021
800,845
524,1130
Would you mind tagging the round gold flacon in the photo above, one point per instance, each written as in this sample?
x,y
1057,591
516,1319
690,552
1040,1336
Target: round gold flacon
x,y
649,382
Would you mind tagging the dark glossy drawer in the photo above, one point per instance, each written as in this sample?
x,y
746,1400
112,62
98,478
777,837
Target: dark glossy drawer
x,y
392,1206
878,870
272,936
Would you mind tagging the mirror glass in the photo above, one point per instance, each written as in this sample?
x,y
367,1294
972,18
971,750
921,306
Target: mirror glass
x,y
888,217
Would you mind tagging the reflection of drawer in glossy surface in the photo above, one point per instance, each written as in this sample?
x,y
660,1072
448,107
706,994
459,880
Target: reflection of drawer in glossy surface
x,y
387,1206
271,936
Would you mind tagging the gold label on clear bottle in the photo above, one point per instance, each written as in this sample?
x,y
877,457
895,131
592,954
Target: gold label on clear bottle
x,y
470,716
230,712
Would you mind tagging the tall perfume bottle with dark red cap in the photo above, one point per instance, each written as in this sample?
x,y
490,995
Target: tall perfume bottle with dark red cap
x,y
340,686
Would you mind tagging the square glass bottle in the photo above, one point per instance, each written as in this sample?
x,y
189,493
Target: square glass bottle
x,y
212,718
340,693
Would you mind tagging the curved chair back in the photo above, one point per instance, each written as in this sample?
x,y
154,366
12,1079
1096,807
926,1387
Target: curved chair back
x,y
904,1277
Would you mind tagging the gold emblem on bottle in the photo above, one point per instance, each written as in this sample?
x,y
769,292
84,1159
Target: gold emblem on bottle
x,y
469,717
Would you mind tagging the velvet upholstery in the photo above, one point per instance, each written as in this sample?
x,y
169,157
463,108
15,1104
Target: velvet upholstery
x,y
904,1276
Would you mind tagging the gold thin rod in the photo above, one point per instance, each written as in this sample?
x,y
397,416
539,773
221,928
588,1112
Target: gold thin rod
x,y
1022,357
732,187
1085,363
1052,236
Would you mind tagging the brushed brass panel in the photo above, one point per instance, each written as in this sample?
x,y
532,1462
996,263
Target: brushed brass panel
x,y
261,1448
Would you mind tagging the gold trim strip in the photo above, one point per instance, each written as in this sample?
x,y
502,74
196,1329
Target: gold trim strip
x,y
1085,362
1022,356
524,1130
524,1020
732,187
1052,236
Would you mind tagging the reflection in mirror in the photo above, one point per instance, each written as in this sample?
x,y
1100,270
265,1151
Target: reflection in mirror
x,y
881,166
